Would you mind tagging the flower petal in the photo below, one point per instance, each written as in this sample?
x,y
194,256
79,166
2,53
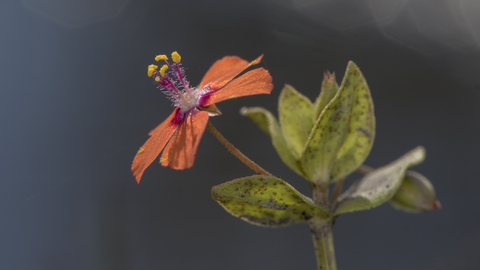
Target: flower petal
x,y
224,70
182,148
154,145
257,81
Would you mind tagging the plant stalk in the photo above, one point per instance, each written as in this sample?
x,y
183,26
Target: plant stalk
x,y
319,194
323,242
252,165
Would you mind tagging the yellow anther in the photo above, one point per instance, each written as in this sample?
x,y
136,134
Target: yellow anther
x,y
150,72
151,69
163,69
176,57
157,79
161,57
140,150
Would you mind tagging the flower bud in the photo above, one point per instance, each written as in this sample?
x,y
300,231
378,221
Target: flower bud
x,y
416,194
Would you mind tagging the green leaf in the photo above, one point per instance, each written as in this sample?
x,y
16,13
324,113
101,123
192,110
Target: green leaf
x,y
267,122
361,130
343,134
295,113
328,91
380,185
415,195
266,201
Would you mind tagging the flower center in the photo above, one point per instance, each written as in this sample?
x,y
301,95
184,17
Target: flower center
x,y
187,100
171,80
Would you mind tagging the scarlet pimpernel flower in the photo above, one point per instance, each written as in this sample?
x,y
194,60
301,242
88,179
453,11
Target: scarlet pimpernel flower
x,y
178,136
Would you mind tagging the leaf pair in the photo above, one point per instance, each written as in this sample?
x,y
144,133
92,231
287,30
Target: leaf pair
x,y
326,140
271,202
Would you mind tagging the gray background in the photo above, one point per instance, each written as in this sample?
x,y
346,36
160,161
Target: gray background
x,y
76,104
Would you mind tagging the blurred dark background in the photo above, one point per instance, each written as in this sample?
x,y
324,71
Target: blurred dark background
x,y
76,104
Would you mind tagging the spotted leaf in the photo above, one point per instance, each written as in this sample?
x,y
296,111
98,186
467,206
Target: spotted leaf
x,y
295,114
343,134
267,201
380,185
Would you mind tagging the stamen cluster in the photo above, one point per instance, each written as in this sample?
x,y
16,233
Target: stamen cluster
x,y
171,80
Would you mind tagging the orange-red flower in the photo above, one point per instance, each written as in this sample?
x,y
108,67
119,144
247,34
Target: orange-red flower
x,y
178,136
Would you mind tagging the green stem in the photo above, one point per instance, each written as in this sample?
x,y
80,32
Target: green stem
x,y
323,242
319,194
252,165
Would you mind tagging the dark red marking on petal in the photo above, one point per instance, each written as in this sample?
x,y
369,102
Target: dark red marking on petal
x,y
204,100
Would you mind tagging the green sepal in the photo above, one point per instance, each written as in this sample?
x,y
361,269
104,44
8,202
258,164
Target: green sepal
x,y
343,134
415,195
378,186
295,114
327,92
268,124
267,201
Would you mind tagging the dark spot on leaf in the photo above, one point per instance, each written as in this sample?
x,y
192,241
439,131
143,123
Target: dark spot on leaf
x,y
275,206
336,116
306,216
364,131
